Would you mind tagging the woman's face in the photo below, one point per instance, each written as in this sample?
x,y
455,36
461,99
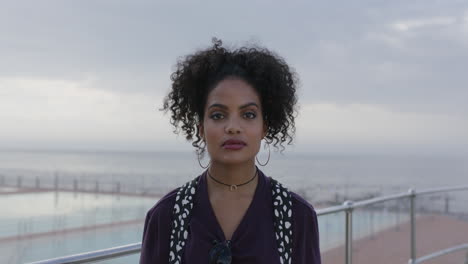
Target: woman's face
x,y
233,124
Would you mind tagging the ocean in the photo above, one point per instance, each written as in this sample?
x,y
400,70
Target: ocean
x,y
316,176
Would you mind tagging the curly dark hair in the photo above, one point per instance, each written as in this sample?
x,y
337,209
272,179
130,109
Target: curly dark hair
x,y
197,74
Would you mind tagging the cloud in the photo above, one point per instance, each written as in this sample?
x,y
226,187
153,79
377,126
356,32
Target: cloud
x,y
61,111
407,25
374,126
419,69
97,70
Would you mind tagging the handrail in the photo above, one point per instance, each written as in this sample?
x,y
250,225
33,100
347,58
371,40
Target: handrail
x,y
95,255
445,189
440,253
354,205
347,207
341,208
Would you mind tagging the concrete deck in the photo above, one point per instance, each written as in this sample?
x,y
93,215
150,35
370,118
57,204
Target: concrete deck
x,y
391,246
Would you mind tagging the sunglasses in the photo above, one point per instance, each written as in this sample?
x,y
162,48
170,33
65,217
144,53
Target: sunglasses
x,y
220,253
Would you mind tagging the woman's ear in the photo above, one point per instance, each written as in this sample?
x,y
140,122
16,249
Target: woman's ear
x,y
201,131
265,131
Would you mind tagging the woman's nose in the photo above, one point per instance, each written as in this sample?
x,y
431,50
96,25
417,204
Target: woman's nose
x,y
233,127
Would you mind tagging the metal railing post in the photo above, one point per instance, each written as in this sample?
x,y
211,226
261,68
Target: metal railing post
x,y
349,232
19,182
56,181
413,227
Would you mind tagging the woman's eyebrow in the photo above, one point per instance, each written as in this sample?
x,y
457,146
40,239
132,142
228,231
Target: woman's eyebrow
x,y
248,104
240,107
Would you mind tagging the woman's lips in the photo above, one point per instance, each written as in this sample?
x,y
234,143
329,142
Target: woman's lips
x,y
233,144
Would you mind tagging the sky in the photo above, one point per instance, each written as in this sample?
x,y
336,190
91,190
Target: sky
x,y
375,76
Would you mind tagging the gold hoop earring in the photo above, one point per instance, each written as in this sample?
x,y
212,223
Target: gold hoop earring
x,y
267,144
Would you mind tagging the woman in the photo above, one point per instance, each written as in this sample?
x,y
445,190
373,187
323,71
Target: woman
x,y
227,101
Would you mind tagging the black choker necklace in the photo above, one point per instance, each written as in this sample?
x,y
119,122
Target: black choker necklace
x,y
233,187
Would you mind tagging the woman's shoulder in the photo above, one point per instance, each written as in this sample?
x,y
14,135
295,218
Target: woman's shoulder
x,y
301,205
163,206
305,231
302,209
156,233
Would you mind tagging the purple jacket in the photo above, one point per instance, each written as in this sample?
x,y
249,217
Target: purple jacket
x,y
253,241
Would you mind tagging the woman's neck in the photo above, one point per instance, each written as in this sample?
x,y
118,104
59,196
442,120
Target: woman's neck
x,y
233,175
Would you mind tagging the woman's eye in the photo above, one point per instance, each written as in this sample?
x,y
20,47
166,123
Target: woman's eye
x,y
216,116
250,115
